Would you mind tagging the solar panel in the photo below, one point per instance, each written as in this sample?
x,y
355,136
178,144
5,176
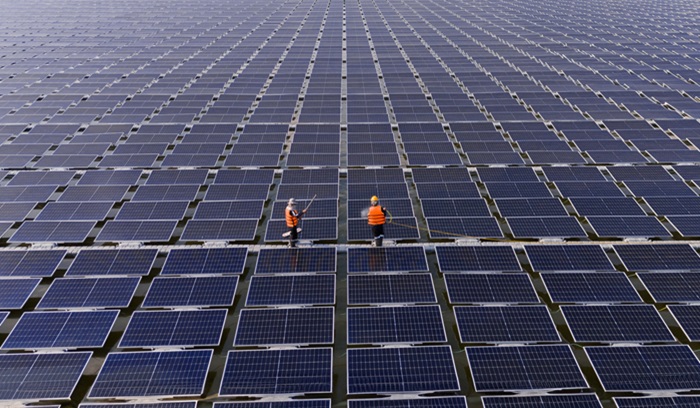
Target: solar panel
x,y
530,207
271,327
645,368
399,370
490,288
220,230
159,210
15,212
190,292
46,376
61,330
477,259
301,290
631,226
113,262
185,404
551,258
390,289
543,401
594,206
269,372
573,174
470,207
394,259
394,325
90,211
325,403
89,293
675,257
507,174
456,228
550,367
672,287
205,261
30,263
185,328
137,231
658,402
296,260
616,324
422,402
688,316
686,226
518,190
546,227
3,316
53,231
612,287
14,293
229,210
109,177
152,373
505,324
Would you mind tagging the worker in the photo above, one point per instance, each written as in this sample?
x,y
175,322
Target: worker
x,y
376,217
292,217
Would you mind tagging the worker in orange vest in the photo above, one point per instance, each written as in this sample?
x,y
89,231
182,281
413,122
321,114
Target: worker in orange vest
x,y
376,218
292,217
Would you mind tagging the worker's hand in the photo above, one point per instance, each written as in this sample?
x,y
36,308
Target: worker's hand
x,y
303,211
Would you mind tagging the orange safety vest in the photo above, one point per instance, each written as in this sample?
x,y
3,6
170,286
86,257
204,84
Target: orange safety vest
x,y
376,216
292,217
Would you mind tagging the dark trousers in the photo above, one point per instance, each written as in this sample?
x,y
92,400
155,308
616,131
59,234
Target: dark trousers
x,y
378,234
293,236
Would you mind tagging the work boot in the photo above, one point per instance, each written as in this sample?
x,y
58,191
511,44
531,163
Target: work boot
x,y
378,242
291,244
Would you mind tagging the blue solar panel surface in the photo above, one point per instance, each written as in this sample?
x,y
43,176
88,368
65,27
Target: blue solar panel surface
x,y
277,404
616,324
424,402
190,292
34,377
387,260
269,372
659,402
262,327
524,368
400,370
544,401
61,330
553,258
387,325
568,287
390,289
507,324
291,290
649,368
205,261
152,373
89,293
113,262
174,329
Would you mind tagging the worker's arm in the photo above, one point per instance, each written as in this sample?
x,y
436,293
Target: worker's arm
x,y
384,211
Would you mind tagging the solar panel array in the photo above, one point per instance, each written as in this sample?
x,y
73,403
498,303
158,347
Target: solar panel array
x,y
537,161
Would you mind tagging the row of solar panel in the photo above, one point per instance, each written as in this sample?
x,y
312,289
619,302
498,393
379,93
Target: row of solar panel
x,y
374,325
297,290
231,260
581,400
370,371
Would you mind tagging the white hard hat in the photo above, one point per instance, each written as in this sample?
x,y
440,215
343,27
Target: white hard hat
x,y
292,201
